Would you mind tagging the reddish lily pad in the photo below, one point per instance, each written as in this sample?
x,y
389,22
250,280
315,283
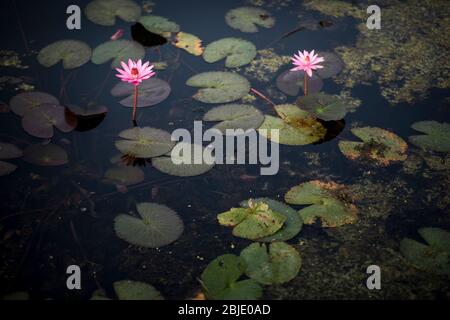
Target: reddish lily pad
x,y
40,121
26,101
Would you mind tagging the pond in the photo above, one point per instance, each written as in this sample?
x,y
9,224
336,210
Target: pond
x,y
362,168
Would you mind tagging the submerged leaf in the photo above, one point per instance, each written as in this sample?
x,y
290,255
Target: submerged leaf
x,y
291,82
434,257
248,19
9,151
144,142
104,12
235,116
6,168
238,52
325,201
159,25
276,264
220,280
40,121
124,176
117,51
436,136
45,155
135,290
73,54
26,101
379,145
296,127
157,226
150,93
189,42
324,106
219,87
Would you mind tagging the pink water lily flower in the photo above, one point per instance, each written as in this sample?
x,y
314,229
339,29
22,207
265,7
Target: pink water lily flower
x,y
135,72
306,61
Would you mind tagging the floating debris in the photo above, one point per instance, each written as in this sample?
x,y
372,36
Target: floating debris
x,y
189,42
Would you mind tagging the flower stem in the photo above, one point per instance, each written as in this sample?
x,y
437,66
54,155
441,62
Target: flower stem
x,y
135,102
305,84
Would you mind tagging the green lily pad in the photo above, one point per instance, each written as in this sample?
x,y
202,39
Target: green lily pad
x,y
144,142
25,102
326,203
296,127
436,137
248,19
6,168
277,264
434,257
104,12
117,51
220,280
72,53
238,52
235,116
219,87
135,290
45,155
159,25
292,225
254,222
166,163
124,176
323,106
157,226
379,146
332,65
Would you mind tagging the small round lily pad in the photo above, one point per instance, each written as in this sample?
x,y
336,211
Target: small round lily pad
x,y
159,25
45,155
332,65
124,176
296,127
434,256
323,106
292,225
235,116
157,226
24,102
292,83
136,290
104,12
436,136
248,19
220,280
219,87
117,51
72,53
276,263
237,52
326,203
168,165
150,92
144,142
379,146
255,221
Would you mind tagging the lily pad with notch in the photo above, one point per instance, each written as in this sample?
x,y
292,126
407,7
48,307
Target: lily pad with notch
x,y
117,51
237,52
150,93
292,83
219,87
436,136
235,116
24,102
72,53
45,155
248,19
87,117
323,106
159,25
104,12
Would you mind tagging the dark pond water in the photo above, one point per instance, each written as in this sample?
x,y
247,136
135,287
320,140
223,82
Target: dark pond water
x,y
52,217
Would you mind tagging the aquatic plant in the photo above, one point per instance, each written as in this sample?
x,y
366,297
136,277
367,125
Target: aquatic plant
x,y
436,136
292,225
332,65
135,73
275,263
124,176
151,92
87,117
220,280
45,155
290,82
432,257
117,51
296,127
379,145
24,102
8,151
248,19
159,25
219,87
254,222
104,12
144,142
72,53
16,296
326,203
323,106
234,116
135,290
265,65
237,52
188,42
157,226
307,62
166,163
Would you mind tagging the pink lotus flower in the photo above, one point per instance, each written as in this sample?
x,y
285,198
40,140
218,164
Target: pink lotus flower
x,y
306,61
135,73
